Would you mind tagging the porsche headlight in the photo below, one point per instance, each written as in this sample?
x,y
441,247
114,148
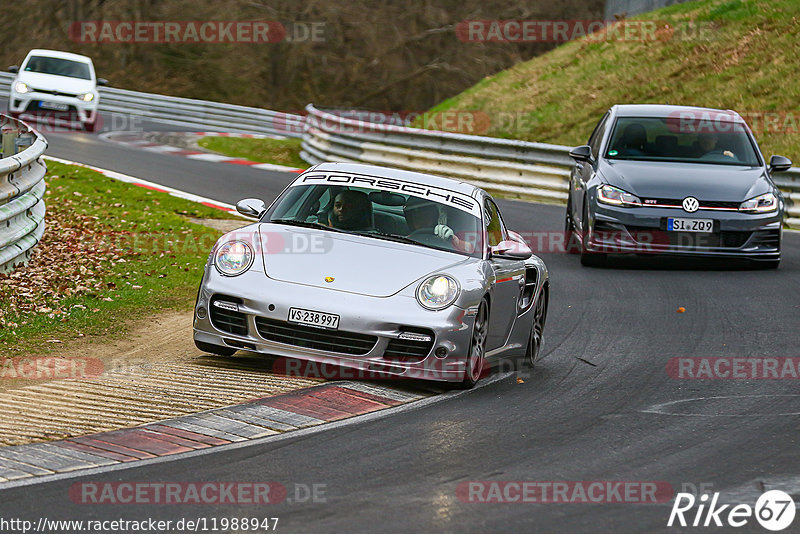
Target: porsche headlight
x,y
234,258
22,88
437,292
86,97
608,194
760,204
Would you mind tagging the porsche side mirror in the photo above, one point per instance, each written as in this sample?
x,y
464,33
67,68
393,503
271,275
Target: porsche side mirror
x,y
251,207
102,81
779,164
581,153
512,250
516,237
13,69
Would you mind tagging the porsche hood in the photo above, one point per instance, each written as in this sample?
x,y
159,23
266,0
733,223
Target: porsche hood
x,y
347,262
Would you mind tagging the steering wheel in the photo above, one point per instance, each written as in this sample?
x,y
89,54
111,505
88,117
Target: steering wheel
x,y
425,236
720,152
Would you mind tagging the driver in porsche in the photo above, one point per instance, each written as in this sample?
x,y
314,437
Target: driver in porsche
x,y
423,216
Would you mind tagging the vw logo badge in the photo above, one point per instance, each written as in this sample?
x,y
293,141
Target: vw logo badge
x,y
690,204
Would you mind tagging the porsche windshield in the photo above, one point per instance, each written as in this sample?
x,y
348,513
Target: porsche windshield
x,y
674,139
381,215
59,67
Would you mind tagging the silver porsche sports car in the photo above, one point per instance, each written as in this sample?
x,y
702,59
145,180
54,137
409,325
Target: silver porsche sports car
x,y
380,270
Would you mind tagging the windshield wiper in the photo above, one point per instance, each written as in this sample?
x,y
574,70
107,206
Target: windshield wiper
x,y
306,224
390,237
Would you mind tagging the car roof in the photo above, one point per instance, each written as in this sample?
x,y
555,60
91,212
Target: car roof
x,y
59,54
666,110
398,174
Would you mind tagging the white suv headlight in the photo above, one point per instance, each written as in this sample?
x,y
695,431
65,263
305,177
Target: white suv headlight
x,y
437,292
86,97
760,204
233,258
22,88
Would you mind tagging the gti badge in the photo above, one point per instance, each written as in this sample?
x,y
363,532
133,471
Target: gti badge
x,y
329,279
690,205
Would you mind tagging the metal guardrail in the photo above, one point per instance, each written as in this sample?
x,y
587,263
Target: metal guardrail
x,y
201,114
506,166
22,190
512,168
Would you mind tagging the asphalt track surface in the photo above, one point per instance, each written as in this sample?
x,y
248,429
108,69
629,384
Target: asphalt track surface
x,y
594,408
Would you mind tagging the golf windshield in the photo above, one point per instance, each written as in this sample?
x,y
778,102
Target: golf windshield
x,y
380,214
717,142
58,67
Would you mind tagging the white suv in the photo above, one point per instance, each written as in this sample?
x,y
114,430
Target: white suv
x,y
56,83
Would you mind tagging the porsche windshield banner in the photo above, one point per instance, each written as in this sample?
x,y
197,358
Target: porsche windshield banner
x,y
436,194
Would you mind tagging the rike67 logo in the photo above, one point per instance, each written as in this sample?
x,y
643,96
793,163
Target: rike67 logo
x,y
774,510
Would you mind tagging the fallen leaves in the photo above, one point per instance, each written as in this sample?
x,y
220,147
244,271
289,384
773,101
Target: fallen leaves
x,y
71,260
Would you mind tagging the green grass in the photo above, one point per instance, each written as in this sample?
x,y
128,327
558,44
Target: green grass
x,y
112,252
275,151
737,54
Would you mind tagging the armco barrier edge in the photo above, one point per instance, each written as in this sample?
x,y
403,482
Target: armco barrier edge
x,y
22,191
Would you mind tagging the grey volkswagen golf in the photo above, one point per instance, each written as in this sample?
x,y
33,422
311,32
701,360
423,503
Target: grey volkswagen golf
x,y
660,179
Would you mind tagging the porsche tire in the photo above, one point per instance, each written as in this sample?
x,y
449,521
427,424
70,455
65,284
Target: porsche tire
x,y
536,339
476,357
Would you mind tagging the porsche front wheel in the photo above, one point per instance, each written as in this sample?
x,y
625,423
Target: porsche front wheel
x,y
476,358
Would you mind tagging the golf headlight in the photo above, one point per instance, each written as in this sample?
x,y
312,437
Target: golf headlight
x,y
608,194
22,87
437,292
760,204
86,97
233,258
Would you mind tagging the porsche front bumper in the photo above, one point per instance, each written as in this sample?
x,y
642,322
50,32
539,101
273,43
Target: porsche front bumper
x,y
376,336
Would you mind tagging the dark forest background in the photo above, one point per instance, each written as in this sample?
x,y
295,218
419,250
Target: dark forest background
x,y
385,55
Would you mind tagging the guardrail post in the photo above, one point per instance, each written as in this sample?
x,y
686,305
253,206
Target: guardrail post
x,y
10,143
22,142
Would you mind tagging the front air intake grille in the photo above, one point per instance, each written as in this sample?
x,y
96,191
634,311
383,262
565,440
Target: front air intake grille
x,y
410,350
678,203
691,240
767,238
57,93
701,240
309,337
225,317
